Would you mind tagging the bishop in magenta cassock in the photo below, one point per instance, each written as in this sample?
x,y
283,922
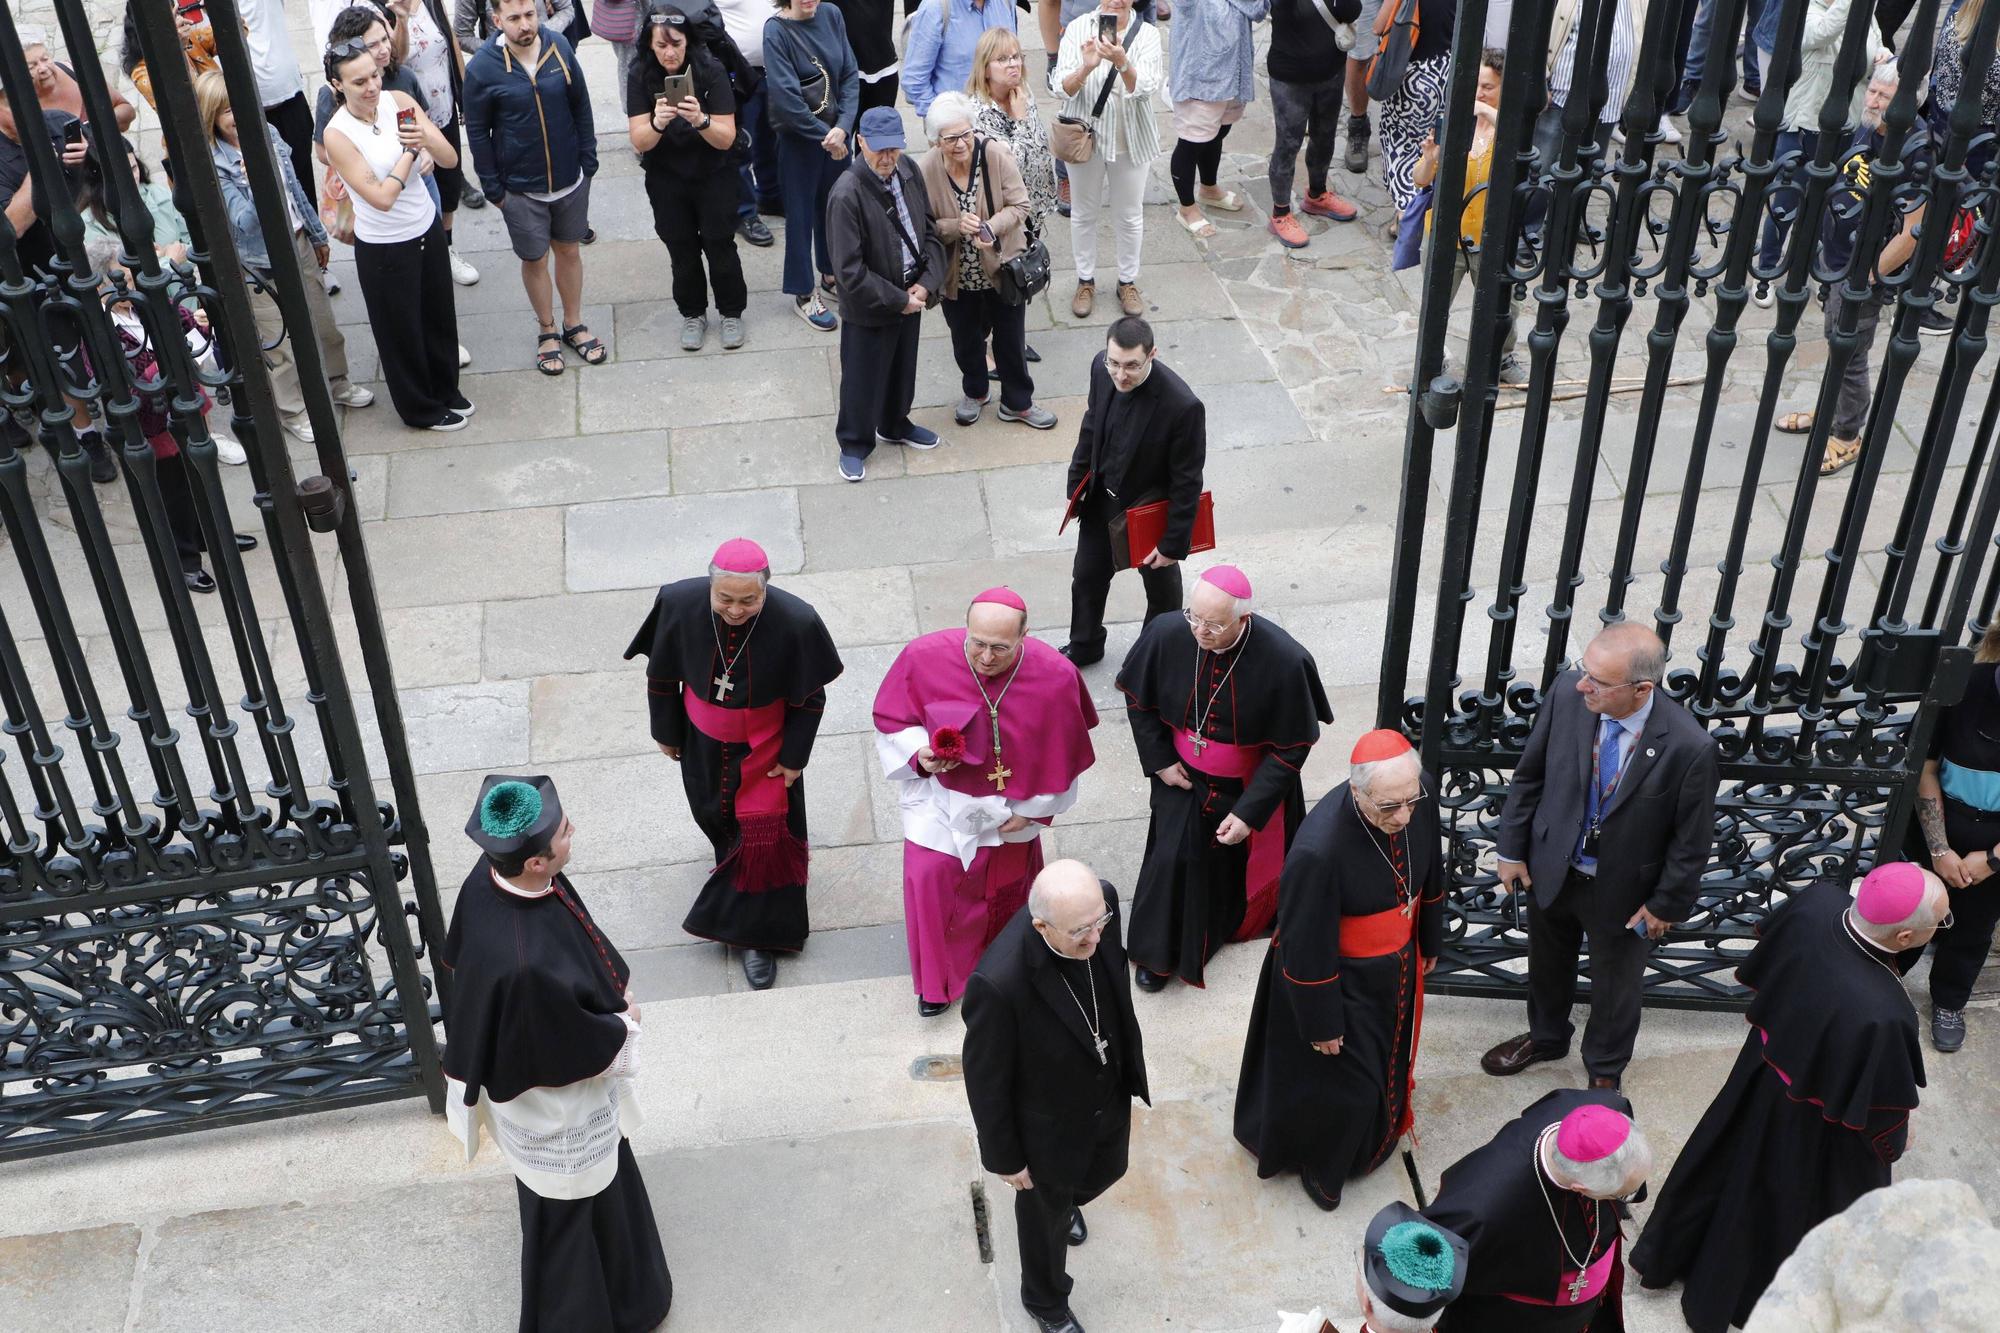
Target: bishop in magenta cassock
x,y
1818,1106
541,1046
1327,1064
736,677
985,732
1223,720
1538,1208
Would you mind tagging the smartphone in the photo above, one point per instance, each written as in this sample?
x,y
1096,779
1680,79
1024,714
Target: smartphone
x,y
190,11
406,118
677,89
73,133
1107,27
986,234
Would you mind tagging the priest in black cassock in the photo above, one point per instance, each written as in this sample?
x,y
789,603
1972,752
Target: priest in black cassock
x,y
736,677
1327,1079
541,1044
1223,726
1538,1207
1818,1106
1411,1268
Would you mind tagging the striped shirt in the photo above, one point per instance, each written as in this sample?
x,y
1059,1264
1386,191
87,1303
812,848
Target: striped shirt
x,y
1624,51
1127,128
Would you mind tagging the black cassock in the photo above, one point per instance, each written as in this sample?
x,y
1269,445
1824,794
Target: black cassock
x,y
755,898
535,997
1815,1111
1338,1116
1261,694
1500,1201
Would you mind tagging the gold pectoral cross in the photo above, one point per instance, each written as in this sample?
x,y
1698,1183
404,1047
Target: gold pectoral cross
x,y
998,777
722,687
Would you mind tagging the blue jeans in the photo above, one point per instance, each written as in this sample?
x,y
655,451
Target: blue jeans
x,y
760,174
1704,29
805,174
1785,196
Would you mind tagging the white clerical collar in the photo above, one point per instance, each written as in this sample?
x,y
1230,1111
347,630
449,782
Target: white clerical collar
x,y
518,892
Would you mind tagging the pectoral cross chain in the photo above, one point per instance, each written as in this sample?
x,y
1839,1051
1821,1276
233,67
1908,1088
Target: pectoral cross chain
x,y
723,686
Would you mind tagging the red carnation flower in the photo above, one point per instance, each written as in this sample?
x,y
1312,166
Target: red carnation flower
x,y
948,744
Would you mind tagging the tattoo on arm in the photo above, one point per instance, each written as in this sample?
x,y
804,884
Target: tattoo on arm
x,y
1930,816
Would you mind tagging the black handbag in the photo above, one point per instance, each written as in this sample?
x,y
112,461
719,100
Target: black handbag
x,y
1024,277
816,89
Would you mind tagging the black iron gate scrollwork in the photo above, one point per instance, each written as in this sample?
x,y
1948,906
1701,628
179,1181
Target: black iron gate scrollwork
x,y
1819,678
233,944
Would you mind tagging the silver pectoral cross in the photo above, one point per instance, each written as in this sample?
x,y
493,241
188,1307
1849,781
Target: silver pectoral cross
x,y
1101,1045
1576,1286
722,687
1200,743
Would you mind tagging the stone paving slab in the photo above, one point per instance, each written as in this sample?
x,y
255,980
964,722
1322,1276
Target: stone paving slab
x,y
627,543
760,386
68,1281
524,474
909,520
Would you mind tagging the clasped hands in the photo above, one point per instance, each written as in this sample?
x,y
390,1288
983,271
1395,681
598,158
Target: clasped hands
x,y
1961,872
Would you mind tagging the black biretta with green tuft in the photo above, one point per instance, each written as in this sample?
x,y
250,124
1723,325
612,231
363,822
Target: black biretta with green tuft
x,y
1411,1264
515,817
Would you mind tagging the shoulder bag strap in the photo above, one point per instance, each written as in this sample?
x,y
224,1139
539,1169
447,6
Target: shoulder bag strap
x,y
1326,15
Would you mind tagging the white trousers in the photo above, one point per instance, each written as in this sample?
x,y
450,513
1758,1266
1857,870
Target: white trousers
x,y
1124,199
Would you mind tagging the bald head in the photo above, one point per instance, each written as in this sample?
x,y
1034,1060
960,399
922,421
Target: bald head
x,y
1066,902
1621,667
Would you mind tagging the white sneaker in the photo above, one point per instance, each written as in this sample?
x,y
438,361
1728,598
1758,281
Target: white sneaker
x,y
1668,134
299,428
1617,135
464,357
350,394
462,273
229,451
328,281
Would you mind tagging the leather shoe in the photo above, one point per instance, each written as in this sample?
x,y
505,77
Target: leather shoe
x,y
1078,1232
931,1008
1326,1202
1148,980
1062,1323
1604,1081
759,968
1516,1054
1078,657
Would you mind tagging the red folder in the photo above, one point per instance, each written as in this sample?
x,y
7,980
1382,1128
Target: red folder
x,y
1144,525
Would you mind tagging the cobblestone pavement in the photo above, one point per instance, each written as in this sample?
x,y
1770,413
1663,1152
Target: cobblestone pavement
x,y
796,1165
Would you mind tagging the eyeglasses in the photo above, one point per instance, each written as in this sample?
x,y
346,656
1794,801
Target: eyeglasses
x,y
1085,932
667,18
961,137
1395,807
1014,59
1212,626
1948,922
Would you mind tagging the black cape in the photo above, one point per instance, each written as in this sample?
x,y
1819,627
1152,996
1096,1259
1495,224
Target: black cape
x,y
1493,1198
536,990
1339,1115
786,655
1189,900
1771,1160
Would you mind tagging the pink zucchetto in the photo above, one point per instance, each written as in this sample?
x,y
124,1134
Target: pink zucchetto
x,y
1230,579
1001,597
740,555
1592,1133
1890,893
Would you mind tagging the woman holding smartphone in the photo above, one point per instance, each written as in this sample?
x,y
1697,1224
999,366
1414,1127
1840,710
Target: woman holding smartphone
x,y
682,122
1107,47
378,144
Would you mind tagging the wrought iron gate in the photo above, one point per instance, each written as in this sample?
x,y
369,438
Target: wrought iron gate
x,y
234,945
1821,736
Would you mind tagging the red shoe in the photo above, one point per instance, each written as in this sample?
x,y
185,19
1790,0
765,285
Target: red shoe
x,y
1327,204
1289,232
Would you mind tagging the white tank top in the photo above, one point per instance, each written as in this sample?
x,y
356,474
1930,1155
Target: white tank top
x,y
410,216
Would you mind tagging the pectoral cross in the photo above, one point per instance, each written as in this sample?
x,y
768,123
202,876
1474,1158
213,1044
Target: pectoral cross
x,y
1408,904
1576,1286
1100,1044
722,687
1200,743
998,777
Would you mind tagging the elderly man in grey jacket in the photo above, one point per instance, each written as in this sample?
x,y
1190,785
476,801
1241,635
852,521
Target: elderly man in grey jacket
x,y
889,265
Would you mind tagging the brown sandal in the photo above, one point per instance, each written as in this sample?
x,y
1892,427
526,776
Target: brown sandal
x,y
1795,423
1840,455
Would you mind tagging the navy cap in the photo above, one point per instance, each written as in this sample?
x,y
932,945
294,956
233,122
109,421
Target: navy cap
x,y
882,127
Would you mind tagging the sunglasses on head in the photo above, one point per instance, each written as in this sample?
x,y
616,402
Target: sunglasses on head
x,y
347,50
667,18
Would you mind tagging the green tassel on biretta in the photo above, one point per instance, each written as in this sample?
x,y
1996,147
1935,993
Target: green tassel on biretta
x,y
510,809
1417,1256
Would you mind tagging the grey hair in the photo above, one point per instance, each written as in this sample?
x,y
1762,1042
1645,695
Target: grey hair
x,y
1929,911
1648,656
1380,1317
947,110
1885,71
1038,900
31,35
102,252
763,576
1605,1177
1362,777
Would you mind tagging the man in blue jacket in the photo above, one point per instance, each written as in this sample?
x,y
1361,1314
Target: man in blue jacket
x,y
527,122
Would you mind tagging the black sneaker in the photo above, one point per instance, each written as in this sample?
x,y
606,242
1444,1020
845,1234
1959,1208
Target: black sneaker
x,y
103,467
752,229
1947,1029
918,437
1357,145
1934,320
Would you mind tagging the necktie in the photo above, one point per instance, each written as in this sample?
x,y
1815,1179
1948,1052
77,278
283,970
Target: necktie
x,y
1607,762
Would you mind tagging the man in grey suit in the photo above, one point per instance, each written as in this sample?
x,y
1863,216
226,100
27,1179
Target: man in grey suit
x,y
1609,821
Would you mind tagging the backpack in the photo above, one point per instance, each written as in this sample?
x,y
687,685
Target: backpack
x,y
706,27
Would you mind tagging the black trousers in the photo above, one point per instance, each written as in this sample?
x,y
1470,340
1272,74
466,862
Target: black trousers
x,y
878,381
971,316
696,220
414,317
1958,954
177,498
1090,580
1041,1215
593,1265
293,120
1617,966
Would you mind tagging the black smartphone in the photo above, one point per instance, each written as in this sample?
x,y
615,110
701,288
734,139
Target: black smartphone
x,y
1107,27
73,133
